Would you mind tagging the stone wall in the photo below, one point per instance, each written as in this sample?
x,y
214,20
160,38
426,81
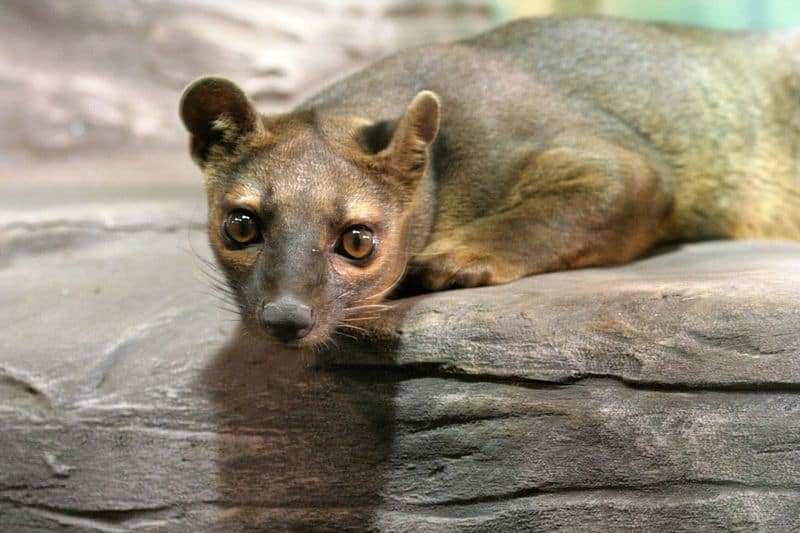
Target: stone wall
x,y
96,74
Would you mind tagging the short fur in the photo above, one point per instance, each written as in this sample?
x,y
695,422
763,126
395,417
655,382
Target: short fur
x,y
546,144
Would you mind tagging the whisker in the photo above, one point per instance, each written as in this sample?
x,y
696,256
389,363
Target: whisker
x,y
428,254
359,318
219,294
214,276
326,345
344,294
318,348
391,286
350,326
346,335
219,284
234,312
379,307
225,289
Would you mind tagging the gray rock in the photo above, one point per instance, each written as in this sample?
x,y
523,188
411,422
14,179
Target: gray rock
x,y
93,75
659,395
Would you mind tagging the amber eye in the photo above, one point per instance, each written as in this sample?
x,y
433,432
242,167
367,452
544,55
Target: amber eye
x,y
241,228
357,243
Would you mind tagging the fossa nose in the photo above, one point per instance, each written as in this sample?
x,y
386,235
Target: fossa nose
x,y
287,318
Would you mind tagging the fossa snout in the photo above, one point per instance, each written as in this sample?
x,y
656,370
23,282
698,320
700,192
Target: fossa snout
x,y
287,319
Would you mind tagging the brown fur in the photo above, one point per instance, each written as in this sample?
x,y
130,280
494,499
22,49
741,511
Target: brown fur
x,y
547,144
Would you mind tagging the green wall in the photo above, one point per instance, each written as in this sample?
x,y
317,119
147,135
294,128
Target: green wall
x,y
757,14
733,14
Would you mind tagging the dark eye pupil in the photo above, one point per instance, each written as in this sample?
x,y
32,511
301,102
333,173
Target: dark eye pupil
x,y
241,227
357,243
242,224
358,239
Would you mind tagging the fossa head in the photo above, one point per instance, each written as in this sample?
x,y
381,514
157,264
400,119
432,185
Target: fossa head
x,y
307,212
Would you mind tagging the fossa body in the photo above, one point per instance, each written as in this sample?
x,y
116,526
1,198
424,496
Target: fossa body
x,y
546,144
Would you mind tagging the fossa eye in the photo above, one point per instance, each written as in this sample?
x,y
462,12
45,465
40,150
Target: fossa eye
x,y
241,228
357,243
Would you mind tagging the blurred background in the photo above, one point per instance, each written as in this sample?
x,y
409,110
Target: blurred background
x,y
81,77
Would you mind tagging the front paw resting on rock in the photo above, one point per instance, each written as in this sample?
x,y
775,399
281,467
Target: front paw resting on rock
x,y
446,264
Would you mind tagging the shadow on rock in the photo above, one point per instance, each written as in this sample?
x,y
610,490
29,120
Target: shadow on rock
x,y
298,447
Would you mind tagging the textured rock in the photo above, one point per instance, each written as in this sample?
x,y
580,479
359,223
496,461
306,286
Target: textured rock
x,y
660,395
98,75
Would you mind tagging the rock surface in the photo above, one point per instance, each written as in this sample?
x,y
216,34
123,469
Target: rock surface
x,y
659,395
104,75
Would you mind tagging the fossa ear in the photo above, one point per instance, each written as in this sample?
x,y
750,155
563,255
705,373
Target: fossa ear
x,y
404,142
219,117
415,132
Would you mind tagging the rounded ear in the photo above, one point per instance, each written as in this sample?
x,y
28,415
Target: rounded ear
x,y
416,131
216,112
